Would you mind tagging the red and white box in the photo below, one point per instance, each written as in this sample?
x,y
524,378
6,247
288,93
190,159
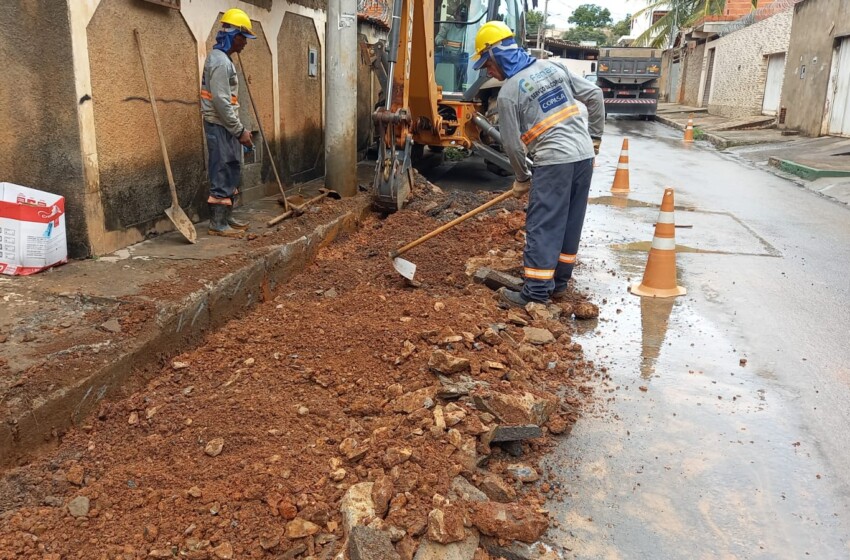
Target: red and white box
x,y
32,230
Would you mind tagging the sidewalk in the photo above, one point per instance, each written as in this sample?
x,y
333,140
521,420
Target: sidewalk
x,y
76,334
819,164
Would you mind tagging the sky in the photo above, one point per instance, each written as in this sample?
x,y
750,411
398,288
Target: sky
x,y
560,10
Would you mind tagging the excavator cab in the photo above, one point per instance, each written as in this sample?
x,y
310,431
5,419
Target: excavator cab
x,y
456,24
431,95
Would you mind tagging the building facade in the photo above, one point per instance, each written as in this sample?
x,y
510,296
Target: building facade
x,y
81,120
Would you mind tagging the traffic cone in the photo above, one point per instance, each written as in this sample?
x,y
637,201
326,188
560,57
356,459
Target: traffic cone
x,y
659,278
689,130
621,177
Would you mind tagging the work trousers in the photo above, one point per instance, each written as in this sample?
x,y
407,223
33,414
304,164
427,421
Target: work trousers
x,y
225,163
556,207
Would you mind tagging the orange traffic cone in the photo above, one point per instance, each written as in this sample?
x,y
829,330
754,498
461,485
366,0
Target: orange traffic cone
x,y
659,278
621,177
689,130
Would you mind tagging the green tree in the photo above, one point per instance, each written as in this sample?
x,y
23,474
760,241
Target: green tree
x,y
680,14
533,19
578,34
621,28
590,16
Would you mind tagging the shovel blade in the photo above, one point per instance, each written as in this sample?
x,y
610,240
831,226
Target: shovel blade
x,y
405,268
182,222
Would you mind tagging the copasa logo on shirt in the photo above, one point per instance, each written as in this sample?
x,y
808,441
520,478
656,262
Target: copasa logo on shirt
x,y
526,86
552,99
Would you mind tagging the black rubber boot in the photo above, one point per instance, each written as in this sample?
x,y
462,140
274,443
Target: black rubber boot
x,y
233,222
218,222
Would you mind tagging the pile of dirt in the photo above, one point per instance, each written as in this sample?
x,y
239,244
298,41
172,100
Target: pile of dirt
x,y
256,443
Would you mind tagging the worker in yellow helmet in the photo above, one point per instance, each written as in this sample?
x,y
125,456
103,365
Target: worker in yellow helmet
x,y
538,115
223,129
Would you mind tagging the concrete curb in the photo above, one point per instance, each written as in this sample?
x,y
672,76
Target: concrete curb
x,y
718,141
174,328
804,171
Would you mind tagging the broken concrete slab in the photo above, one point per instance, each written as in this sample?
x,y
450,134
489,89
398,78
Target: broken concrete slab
x,y
516,409
463,550
514,433
365,543
495,279
521,551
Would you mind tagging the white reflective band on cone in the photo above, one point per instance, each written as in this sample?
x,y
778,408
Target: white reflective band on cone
x,y
664,243
622,166
666,218
624,153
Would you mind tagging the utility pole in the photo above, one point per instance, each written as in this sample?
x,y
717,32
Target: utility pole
x,y
541,31
341,56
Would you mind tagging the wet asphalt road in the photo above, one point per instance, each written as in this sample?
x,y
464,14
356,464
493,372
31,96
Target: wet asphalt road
x,y
691,454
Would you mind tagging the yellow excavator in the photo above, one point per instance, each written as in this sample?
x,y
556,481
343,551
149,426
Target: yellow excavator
x,y
431,96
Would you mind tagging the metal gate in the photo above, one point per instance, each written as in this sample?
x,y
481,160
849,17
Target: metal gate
x,y
773,87
839,115
706,94
673,84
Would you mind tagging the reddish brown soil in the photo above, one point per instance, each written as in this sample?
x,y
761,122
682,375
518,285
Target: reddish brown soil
x,y
283,387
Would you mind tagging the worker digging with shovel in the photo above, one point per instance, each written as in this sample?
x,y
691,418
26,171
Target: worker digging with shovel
x,y
538,114
223,129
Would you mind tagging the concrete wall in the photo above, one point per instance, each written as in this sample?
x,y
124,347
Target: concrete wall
x,y
692,66
740,65
817,25
38,107
133,184
301,104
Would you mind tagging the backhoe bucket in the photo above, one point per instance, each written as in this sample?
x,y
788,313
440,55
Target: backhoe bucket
x,y
393,178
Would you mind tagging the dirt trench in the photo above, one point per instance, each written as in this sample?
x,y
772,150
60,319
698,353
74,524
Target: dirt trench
x,y
330,383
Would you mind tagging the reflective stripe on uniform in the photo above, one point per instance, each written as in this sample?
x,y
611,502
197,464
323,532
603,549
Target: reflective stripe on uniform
x,y
567,259
549,122
539,274
208,96
454,44
664,243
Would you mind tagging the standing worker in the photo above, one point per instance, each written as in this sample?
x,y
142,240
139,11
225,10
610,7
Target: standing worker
x,y
538,114
450,40
222,127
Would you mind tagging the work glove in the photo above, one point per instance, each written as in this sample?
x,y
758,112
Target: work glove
x,y
521,187
596,143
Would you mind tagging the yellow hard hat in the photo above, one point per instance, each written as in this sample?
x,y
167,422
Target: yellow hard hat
x,y
240,20
491,33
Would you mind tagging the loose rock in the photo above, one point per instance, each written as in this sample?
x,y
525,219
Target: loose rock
x,y
299,528
509,521
534,335
516,409
214,447
443,362
224,551
79,506
586,310
523,472
445,525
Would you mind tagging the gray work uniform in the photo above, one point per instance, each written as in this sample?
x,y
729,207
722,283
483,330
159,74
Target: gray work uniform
x,y
538,115
222,127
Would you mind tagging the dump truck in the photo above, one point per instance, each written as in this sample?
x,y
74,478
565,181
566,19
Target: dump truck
x,y
629,79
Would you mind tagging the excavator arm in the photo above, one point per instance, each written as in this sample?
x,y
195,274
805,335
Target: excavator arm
x,y
414,109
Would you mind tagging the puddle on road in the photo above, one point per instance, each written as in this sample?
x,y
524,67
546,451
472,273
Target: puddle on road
x,y
645,246
690,455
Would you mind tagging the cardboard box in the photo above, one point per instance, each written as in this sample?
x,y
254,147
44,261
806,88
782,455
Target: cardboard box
x,y
32,230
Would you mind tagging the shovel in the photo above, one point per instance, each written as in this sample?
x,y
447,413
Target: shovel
x,y
176,214
298,210
407,268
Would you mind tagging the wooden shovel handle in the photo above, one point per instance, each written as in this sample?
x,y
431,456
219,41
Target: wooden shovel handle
x,y
152,97
504,196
